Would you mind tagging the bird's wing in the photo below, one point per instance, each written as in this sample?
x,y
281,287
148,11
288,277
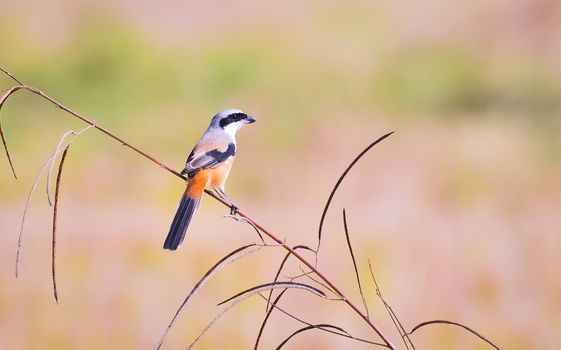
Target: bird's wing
x,y
201,158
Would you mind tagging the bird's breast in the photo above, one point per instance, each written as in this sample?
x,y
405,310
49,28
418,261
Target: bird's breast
x,y
219,175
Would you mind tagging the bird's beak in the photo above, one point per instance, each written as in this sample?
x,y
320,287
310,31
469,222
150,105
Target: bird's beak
x,y
249,120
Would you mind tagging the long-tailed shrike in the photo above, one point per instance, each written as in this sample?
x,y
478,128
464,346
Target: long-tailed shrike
x,y
208,165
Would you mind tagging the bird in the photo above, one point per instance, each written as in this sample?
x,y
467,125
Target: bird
x,y
208,166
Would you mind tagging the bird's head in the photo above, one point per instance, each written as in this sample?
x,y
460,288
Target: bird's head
x,y
231,120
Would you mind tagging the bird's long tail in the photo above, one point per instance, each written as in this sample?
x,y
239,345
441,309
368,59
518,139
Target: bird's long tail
x,y
188,205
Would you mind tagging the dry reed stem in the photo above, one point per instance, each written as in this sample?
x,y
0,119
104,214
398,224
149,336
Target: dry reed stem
x,y
340,180
50,162
3,99
354,262
55,211
283,262
426,323
55,154
24,215
344,334
307,328
268,314
395,320
221,264
248,293
273,285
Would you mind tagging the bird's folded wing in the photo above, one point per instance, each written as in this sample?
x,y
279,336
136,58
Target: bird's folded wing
x,y
209,159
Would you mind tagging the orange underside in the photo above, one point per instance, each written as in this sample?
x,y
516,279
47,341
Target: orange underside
x,y
215,177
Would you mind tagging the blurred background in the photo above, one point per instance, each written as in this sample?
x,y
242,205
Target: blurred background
x,y
458,210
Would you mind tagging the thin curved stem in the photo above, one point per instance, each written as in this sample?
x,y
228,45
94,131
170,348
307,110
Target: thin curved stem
x,y
477,334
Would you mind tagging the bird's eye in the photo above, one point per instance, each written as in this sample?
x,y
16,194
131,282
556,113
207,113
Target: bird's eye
x,y
237,117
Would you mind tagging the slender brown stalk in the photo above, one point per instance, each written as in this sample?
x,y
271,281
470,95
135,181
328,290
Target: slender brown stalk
x,y
267,315
345,334
11,76
3,98
7,152
388,343
24,216
50,163
354,262
239,212
396,322
55,211
340,180
221,264
284,260
322,326
426,323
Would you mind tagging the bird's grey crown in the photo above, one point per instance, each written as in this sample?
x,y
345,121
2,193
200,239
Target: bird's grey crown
x,y
223,114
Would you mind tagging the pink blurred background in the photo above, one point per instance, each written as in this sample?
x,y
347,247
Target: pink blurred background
x,y
458,210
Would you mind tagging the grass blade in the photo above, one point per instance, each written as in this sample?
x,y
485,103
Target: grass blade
x,y
274,285
420,325
53,159
281,266
49,163
396,322
29,196
330,198
248,293
307,328
269,312
55,154
340,331
7,151
3,99
354,262
55,211
211,323
222,263
343,333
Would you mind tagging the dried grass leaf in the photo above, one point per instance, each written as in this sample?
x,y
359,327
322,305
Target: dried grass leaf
x,y
29,196
307,328
354,262
52,162
343,333
48,163
3,99
393,316
274,285
55,211
58,147
281,266
238,298
477,334
222,263
338,183
267,315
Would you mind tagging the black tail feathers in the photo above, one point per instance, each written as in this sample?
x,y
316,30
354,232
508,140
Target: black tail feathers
x,y
187,207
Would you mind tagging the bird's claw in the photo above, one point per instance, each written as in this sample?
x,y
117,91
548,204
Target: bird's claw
x,y
233,209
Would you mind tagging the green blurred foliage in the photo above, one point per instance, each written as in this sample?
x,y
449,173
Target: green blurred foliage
x,y
445,80
113,71
432,80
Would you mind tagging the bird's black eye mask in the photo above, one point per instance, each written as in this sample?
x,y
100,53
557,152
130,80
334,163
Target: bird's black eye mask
x,y
232,118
